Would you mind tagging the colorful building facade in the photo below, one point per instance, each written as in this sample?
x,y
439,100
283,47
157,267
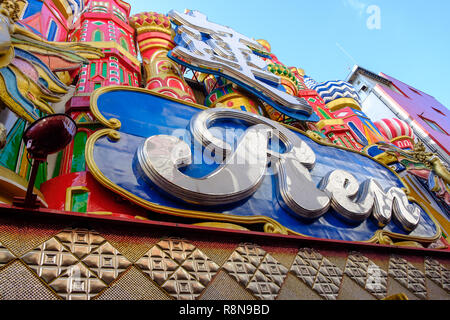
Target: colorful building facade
x,y
386,97
414,117
43,67
105,25
202,162
342,119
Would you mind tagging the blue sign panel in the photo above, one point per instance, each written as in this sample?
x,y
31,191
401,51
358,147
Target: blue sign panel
x,y
114,158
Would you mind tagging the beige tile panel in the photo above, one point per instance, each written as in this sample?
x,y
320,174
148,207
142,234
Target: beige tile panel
x,y
224,287
106,262
318,273
408,276
133,285
17,282
78,283
49,260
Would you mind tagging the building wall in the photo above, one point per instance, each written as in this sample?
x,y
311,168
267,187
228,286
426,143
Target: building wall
x,y
376,109
423,109
398,100
104,25
52,20
60,254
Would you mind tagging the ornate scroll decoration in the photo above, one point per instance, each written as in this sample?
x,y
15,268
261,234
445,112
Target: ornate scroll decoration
x,y
161,156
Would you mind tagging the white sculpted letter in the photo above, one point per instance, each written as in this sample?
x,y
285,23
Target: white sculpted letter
x,y
356,203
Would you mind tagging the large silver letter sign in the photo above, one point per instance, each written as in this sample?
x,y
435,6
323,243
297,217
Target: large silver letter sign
x,y
213,47
356,203
244,168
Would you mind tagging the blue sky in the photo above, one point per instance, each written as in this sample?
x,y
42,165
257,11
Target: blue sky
x,y
327,37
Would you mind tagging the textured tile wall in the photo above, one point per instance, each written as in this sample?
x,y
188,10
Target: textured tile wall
x,y
45,261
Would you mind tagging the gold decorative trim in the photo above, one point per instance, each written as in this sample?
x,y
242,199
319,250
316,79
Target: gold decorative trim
x,y
442,221
403,138
382,238
229,96
411,244
177,91
342,103
114,135
399,296
330,122
270,225
6,58
141,218
156,43
385,158
273,228
65,10
142,29
69,196
114,123
154,46
100,213
221,225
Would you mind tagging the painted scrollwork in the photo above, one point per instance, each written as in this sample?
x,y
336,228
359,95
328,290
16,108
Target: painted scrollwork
x,y
271,227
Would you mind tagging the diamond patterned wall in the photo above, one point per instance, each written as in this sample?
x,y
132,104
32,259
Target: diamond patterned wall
x,y
438,273
119,262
